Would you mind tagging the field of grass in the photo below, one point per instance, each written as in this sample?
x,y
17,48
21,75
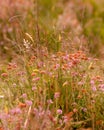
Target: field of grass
x,y
47,81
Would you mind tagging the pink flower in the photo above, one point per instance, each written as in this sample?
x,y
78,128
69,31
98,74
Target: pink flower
x,y
57,95
16,111
41,113
94,88
66,57
59,111
65,119
92,82
56,66
34,88
80,83
84,109
36,79
49,101
35,110
60,121
101,87
24,95
28,102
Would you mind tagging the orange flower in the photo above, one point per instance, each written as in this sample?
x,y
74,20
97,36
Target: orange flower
x,y
33,57
84,91
79,96
98,122
1,128
98,77
22,105
9,67
42,72
33,74
84,58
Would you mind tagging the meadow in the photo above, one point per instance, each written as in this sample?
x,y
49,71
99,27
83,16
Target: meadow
x,y
51,65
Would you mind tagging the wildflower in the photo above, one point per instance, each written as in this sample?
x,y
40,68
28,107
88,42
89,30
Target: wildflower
x,y
40,64
80,83
79,96
4,74
1,128
98,77
75,110
92,82
100,80
28,102
60,121
33,57
49,101
36,79
99,122
65,66
93,101
59,111
34,88
41,114
84,109
12,66
24,95
22,105
35,110
48,112
65,119
57,95
66,58
4,116
9,67
33,74
101,87
84,91
42,72
26,44
16,111
94,88
56,66
21,73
